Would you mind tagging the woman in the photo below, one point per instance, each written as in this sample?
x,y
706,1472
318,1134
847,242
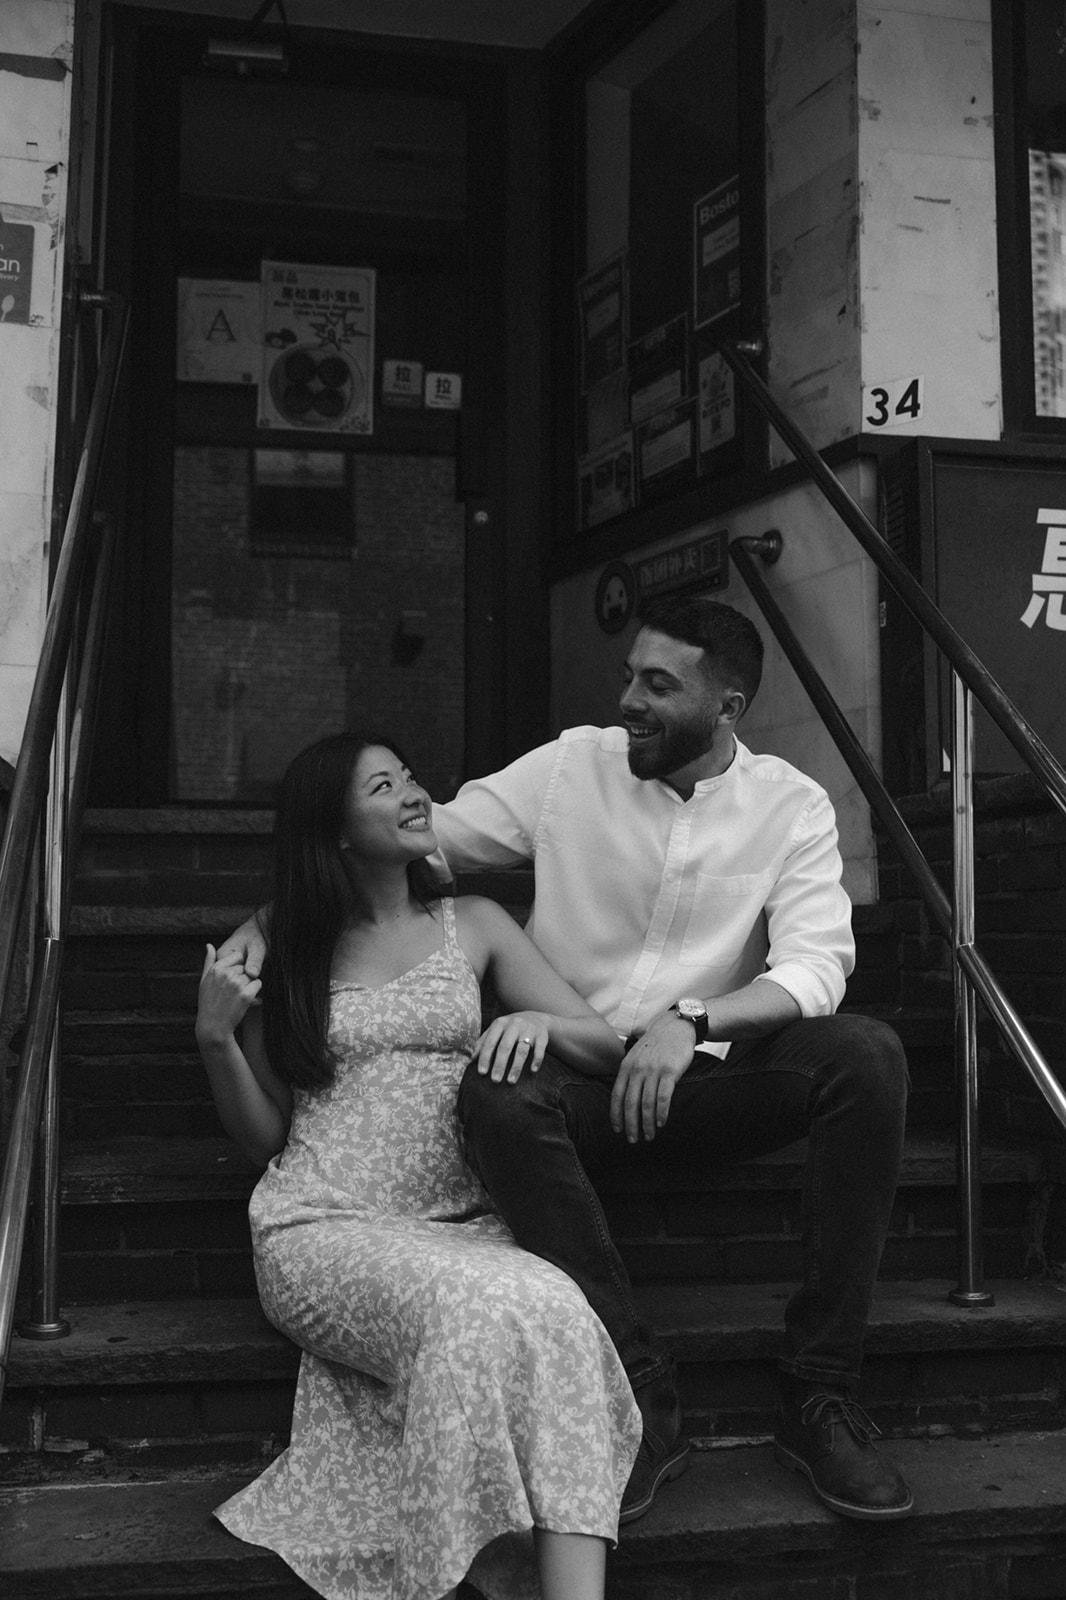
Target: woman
x,y
454,1391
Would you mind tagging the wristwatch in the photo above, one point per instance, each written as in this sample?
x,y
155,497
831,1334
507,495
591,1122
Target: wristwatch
x,y
693,1011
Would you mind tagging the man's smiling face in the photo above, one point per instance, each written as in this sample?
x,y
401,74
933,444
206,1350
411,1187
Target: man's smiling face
x,y
672,707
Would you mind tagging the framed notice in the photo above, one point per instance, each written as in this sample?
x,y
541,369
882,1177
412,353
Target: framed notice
x,y
318,348
602,321
220,331
606,411
666,451
605,482
717,405
658,369
716,263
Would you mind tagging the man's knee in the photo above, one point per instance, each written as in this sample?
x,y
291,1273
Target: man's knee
x,y
486,1108
871,1051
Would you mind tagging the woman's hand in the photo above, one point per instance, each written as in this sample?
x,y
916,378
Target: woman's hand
x,y
511,1043
226,993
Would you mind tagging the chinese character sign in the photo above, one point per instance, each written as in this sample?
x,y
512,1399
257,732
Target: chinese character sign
x,y
318,348
1049,584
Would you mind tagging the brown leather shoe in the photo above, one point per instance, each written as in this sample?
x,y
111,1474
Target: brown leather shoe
x,y
663,1453
826,1436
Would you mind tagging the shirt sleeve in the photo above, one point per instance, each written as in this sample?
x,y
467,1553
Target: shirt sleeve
x,y
492,822
808,913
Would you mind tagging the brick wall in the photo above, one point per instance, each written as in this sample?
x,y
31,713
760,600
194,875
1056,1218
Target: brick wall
x,y
1020,877
270,652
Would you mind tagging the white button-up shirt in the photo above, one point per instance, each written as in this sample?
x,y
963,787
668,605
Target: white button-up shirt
x,y
642,897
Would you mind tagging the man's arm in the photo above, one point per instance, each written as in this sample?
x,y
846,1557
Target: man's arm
x,y
492,822
811,952
808,916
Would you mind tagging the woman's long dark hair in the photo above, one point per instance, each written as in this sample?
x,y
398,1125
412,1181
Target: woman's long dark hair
x,y
312,900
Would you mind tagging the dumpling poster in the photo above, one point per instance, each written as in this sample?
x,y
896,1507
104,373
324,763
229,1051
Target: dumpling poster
x,y
318,348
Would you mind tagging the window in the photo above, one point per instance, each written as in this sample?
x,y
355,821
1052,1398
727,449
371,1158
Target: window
x,y
302,503
666,259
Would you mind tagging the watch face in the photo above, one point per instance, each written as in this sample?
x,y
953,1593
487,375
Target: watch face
x,y
691,1009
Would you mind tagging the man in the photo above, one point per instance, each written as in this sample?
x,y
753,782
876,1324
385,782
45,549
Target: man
x,y
690,891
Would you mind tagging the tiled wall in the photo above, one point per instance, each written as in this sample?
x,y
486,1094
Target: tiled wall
x,y
34,144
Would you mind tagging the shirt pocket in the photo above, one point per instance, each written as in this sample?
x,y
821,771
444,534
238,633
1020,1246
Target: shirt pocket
x,y
725,926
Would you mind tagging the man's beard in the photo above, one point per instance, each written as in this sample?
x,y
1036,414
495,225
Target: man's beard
x,y
673,749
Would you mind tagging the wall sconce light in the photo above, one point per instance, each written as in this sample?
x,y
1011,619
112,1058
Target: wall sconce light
x,y
247,58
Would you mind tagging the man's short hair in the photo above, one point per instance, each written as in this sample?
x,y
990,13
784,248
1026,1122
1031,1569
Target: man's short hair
x,y
730,641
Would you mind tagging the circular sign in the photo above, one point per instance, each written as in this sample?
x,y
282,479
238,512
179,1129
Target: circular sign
x,y
616,594
314,386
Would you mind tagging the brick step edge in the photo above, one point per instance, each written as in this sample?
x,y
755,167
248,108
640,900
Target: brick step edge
x,y
180,1341
108,1540
188,1169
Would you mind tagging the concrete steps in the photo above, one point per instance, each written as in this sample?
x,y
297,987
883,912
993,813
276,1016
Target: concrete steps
x,y
166,1385
173,1390
164,1213
735,1525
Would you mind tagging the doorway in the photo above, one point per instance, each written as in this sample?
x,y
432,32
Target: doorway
x,y
312,410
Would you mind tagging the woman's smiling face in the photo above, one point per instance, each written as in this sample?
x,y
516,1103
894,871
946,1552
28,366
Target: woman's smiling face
x,y
388,815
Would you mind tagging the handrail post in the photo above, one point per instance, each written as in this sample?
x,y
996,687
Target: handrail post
x,y
971,1290
45,1321
15,1178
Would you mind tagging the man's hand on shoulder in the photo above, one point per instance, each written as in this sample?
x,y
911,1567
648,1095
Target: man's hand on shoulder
x,y
247,944
644,1087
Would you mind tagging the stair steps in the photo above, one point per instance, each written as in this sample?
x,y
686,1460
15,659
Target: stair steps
x,y
142,1384
173,1390
745,1527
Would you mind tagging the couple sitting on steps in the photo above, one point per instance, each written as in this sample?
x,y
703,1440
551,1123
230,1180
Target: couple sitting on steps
x,y
478,1394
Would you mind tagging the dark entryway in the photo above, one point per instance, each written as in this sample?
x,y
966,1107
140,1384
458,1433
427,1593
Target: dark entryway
x,y
304,554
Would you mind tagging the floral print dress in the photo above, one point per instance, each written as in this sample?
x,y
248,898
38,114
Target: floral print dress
x,y
454,1390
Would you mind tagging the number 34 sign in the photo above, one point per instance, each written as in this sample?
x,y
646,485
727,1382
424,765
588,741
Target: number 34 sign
x,y
890,405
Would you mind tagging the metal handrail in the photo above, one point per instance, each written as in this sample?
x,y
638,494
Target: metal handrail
x,y
48,738
972,975
31,772
1025,739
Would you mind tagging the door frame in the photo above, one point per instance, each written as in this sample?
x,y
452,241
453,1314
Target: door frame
x,y
144,58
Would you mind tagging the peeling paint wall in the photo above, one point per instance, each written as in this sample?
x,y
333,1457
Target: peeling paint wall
x,y
812,216
36,46
927,247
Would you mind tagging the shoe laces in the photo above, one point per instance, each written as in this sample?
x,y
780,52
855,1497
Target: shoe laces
x,y
837,1408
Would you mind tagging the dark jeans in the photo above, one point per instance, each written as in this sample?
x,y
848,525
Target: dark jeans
x,y
538,1146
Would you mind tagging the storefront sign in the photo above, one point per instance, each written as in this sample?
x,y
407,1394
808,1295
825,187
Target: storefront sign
x,y
702,562
616,593
16,270
318,348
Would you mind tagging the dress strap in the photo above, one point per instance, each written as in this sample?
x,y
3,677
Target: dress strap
x,y
447,905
